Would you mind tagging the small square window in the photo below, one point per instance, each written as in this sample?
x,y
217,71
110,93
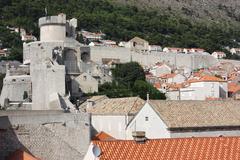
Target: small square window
x,y
146,118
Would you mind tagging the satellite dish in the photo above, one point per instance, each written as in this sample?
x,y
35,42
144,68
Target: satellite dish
x,y
96,151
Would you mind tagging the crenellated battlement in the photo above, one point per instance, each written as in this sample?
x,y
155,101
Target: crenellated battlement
x,y
53,20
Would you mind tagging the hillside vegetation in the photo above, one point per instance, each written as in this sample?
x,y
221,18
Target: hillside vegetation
x,y
213,10
121,22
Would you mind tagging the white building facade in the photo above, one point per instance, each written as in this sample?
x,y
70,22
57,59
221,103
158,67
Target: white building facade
x,y
167,122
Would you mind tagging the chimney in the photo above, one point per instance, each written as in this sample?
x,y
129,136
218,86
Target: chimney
x,y
139,136
147,97
89,104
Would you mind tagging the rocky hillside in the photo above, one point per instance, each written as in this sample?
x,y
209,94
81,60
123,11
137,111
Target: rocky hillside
x,y
227,10
162,22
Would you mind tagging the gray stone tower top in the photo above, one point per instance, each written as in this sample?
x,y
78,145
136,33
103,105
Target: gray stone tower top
x,y
53,28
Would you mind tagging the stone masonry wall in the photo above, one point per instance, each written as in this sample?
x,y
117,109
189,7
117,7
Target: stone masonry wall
x,y
192,61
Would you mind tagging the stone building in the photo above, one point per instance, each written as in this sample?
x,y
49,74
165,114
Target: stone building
x,y
87,84
39,117
55,62
139,45
112,115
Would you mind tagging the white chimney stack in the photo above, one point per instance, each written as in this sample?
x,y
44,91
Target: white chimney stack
x,y
139,136
147,97
89,104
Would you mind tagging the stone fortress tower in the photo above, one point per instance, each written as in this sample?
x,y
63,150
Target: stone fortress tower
x,y
36,95
57,65
53,28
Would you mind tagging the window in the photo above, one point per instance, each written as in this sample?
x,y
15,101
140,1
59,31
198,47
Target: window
x,y
146,118
14,80
134,44
84,78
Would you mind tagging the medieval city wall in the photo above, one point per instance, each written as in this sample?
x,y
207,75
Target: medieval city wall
x,y
192,61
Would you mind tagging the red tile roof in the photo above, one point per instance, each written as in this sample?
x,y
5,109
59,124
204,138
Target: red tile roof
x,y
21,155
212,98
157,85
206,78
102,136
198,49
219,148
166,76
233,87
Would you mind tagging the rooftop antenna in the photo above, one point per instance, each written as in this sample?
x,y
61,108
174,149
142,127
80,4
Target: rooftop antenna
x,y
96,151
46,12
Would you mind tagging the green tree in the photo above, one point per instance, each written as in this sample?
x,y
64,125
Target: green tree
x,y
141,88
128,73
129,80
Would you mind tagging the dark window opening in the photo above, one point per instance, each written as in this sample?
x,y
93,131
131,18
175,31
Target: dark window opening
x,y
146,118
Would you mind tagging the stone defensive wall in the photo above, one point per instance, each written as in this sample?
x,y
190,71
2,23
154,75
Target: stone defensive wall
x,y
49,135
14,87
192,61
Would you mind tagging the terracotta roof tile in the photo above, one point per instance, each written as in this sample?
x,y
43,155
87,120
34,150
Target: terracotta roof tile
x,y
157,85
166,76
176,86
21,155
102,136
205,78
213,148
233,87
211,78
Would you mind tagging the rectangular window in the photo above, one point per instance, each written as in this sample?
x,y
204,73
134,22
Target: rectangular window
x,y
146,118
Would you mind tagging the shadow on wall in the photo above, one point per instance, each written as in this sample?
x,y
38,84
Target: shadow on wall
x,y
71,61
93,132
9,141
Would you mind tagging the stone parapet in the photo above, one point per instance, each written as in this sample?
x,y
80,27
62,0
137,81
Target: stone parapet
x,y
51,20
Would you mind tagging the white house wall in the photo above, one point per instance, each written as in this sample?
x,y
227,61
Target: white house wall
x,y
172,95
114,125
200,91
178,79
154,127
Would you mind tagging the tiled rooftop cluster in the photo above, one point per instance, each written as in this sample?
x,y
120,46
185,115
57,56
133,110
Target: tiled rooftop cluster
x,y
220,148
